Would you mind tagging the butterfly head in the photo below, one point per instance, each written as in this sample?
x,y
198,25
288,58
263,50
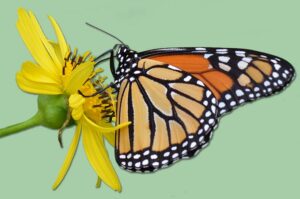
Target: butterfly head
x,y
128,60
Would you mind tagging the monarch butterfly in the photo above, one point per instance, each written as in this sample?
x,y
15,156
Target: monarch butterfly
x,y
174,97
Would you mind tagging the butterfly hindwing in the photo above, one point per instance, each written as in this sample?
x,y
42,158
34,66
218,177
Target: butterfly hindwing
x,y
235,76
173,115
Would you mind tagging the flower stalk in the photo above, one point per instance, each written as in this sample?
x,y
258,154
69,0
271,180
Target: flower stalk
x,y
36,120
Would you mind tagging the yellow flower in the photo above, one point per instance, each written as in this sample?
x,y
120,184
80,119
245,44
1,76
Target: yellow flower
x,y
58,71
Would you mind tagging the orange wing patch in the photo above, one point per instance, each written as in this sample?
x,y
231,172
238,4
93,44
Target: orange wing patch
x,y
255,74
161,138
219,80
141,119
165,74
265,67
159,101
194,107
189,63
178,134
191,124
193,91
123,138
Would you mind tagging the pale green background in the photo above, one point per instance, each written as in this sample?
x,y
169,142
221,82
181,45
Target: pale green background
x,y
255,151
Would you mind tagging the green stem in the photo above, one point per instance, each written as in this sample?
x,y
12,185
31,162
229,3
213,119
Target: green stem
x,y
16,128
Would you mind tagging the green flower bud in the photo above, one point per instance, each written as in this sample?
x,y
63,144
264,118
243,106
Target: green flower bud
x,y
53,110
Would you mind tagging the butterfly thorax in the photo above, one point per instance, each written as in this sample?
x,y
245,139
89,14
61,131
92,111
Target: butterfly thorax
x,y
128,60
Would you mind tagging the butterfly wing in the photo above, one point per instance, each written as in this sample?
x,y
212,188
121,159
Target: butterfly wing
x,y
173,115
235,76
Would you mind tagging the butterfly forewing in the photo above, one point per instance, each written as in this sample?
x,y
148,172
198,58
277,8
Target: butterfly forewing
x,y
235,76
173,115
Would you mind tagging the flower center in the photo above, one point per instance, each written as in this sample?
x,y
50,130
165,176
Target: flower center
x,y
72,59
101,106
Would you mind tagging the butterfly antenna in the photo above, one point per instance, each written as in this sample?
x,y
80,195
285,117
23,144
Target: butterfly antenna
x,y
107,33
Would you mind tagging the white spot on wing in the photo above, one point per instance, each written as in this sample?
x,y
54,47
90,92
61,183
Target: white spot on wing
x,y
173,67
208,94
175,155
213,109
207,114
221,104
146,152
242,65
224,67
240,53
228,96
222,50
239,93
200,83
206,127
247,59
138,164
224,59
200,49
166,154
145,162
267,83
187,78
274,61
275,74
206,56
165,161
277,66
193,144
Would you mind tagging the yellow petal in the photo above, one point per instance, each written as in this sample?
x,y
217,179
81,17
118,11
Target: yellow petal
x,y
37,87
45,41
105,129
28,29
35,73
64,48
57,51
98,157
78,76
98,183
110,137
69,158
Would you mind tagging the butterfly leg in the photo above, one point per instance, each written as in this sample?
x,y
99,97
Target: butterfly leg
x,y
111,60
